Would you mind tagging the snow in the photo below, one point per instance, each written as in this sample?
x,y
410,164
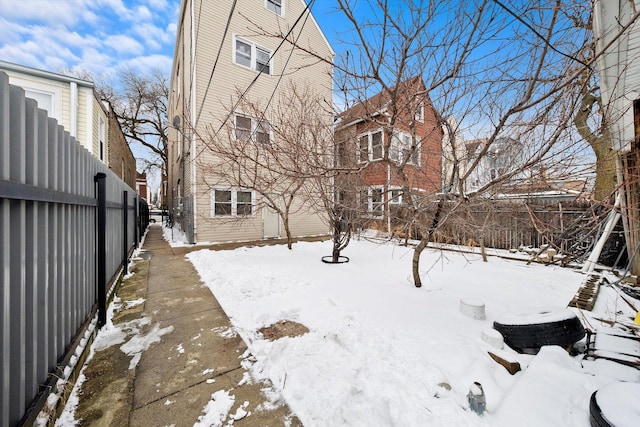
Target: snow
x,y
381,352
541,315
217,410
619,402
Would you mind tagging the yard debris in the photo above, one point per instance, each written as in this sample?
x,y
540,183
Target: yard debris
x,y
586,296
511,367
283,328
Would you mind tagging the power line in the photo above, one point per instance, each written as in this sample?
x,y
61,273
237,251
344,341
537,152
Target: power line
x,y
244,93
224,36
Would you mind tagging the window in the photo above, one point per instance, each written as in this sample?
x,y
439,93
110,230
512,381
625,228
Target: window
x,y
262,132
243,128
370,147
372,201
248,128
363,148
341,153
395,197
248,54
402,149
274,6
232,202
101,138
420,113
376,146
262,60
376,201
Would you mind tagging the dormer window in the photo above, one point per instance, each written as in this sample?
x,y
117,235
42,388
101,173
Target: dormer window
x,y
274,6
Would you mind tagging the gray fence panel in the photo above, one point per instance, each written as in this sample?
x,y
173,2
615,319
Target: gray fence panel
x,y
4,252
48,263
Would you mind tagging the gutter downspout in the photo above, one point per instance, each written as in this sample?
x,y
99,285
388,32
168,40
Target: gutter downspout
x,y
386,196
194,81
73,111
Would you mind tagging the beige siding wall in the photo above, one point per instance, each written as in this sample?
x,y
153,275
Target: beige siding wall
x,y
229,79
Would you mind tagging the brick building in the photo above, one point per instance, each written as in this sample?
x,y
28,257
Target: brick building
x,y
121,160
394,140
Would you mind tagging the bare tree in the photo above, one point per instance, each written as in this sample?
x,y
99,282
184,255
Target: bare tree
x,y
280,159
140,104
501,70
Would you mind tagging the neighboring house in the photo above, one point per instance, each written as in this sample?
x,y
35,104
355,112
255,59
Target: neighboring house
x,y
543,190
364,140
121,160
618,39
499,159
227,52
454,157
73,103
142,187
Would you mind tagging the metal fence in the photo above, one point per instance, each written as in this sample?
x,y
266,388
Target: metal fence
x,y
67,227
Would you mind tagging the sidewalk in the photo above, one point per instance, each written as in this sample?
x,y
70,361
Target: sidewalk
x,y
195,356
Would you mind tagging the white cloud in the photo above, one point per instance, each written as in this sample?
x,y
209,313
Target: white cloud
x,y
99,36
10,32
150,63
158,4
154,37
116,5
124,45
52,12
143,14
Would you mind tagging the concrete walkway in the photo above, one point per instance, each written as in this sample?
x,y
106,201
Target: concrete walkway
x,y
198,353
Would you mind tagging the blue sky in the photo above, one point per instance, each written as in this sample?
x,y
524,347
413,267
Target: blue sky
x,y
100,36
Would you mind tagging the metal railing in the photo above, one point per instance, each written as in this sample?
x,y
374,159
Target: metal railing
x,y
67,228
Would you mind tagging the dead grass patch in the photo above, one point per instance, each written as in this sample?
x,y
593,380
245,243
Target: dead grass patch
x,y
283,328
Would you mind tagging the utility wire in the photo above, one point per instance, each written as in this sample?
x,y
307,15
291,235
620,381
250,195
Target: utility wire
x,y
195,43
224,36
244,93
294,44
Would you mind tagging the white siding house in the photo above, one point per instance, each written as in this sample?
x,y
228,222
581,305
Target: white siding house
x,y
224,49
69,100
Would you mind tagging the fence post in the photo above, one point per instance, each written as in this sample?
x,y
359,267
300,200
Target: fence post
x,y
125,228
136,232
101,250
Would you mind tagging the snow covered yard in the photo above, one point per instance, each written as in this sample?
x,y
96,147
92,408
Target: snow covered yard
x,y
382,353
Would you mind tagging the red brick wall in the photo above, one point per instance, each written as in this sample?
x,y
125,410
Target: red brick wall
x,y
425,177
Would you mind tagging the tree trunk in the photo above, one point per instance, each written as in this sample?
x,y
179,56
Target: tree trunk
x,y
606,179
287,231
416,259
424,241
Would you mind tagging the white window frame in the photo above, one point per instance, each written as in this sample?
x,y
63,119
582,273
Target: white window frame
x,y
378,209
267,6
394,200
255,125
253,55
234,202
419,116
102,139
402,141
369,136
